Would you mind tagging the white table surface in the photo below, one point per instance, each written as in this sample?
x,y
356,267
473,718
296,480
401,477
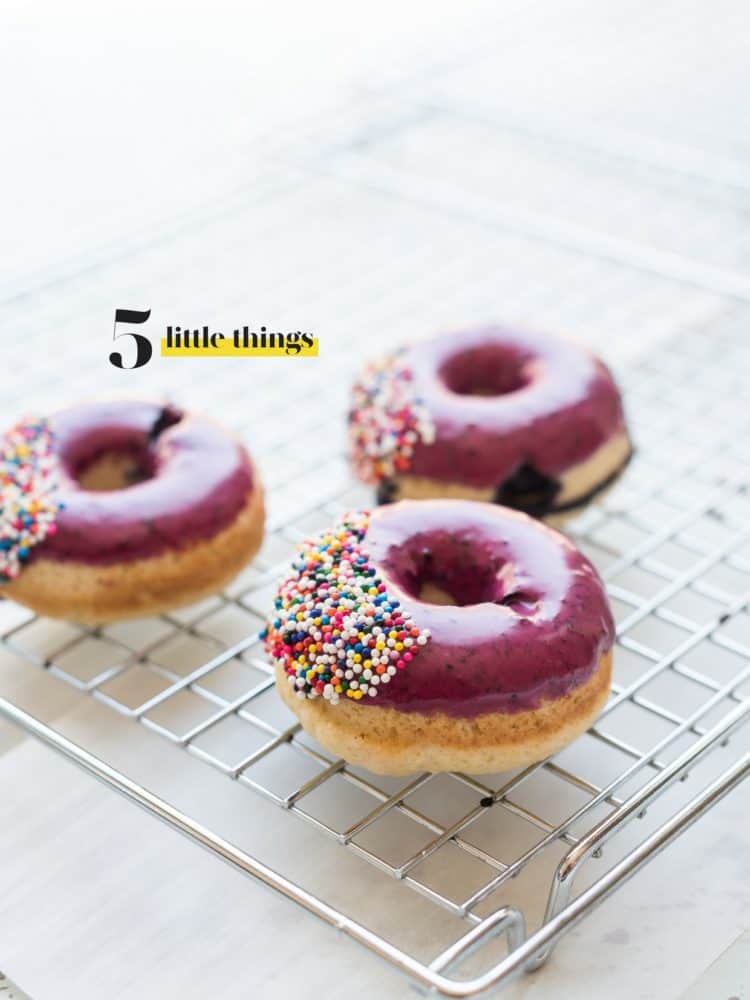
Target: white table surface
x,y
99,899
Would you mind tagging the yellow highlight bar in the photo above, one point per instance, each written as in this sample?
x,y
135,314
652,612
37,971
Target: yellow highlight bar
x,y
226,348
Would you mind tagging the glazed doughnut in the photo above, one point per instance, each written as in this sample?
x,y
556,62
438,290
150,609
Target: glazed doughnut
x,y
120,509
442,635
517,418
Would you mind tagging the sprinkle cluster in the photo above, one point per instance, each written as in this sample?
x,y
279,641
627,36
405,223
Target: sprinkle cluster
x,y
386,420
27,482
336,630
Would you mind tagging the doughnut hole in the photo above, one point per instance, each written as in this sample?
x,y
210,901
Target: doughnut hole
x,y
487,370
115,470
459,571
123,459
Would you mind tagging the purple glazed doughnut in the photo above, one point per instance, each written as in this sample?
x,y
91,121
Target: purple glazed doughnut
x,y
442,635
522,419
120,509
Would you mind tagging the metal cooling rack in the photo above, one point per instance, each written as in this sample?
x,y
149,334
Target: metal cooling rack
x,y
501,865
673,543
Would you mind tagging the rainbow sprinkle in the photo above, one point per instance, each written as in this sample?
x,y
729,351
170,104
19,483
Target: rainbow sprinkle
x,y
386,420
27,480
336,631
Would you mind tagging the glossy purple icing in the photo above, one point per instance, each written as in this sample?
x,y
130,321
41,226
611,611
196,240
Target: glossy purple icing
x,y
548,403
540,623
200,478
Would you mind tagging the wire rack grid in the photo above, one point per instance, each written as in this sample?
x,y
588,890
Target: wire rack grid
x,y
673,543
497,867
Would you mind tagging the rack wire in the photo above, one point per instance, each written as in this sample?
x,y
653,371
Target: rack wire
x,y
514,860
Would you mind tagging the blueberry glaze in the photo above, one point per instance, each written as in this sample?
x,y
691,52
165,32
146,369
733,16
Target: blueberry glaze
x,y
198,479
531,619
501,399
